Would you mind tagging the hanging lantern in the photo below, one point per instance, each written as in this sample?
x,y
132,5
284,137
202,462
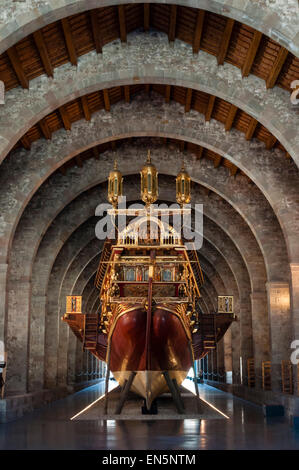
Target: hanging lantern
x,y
183,187
115,185
149,182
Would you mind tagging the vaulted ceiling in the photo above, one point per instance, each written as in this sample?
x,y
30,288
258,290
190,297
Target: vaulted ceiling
x,y
226,39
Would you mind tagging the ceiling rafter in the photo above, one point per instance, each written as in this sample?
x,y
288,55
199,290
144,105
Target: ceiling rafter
x,y
106,100
188,100
251,53
251,129
65,118
43,52
172,23
225,41
26,142
230,118
122,23
17,66
167,93
210,107
45,129
127,93
217,161
69,41
278,64
85,108
95,27
146,16
198,31
271,141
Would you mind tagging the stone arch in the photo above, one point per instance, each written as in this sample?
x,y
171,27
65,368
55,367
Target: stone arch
x,y
276,20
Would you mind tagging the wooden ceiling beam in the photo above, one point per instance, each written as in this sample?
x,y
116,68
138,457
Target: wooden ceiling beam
x,y
270,142
96,30
230,118
26,142
69,41
148,88
113,144
182,145
95,152
146,16
199,152
233,170
277,66
172,23
86,110
188,100
45,129
65,118
17,66
252,51
209,110
167,93
43,52
251,129
217,161
225,41
198,31
79,161
127,93
106,100
122,23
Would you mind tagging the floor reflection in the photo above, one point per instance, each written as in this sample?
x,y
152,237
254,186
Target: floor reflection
x,y
51,428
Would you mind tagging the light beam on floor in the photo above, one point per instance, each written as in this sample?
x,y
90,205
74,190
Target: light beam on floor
x,y
91,404
191,386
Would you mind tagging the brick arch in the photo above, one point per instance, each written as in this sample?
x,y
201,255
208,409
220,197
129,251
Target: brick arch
x,y
275,20
86,135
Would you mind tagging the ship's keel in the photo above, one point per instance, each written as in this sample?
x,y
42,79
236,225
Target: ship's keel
x,y
149,383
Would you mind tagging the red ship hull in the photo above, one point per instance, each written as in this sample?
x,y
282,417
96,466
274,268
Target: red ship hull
x,y
169,350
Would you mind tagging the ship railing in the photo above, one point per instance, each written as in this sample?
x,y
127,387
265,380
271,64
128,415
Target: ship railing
x,y
134,240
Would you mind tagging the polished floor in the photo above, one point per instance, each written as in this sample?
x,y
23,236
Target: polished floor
x,y
244,428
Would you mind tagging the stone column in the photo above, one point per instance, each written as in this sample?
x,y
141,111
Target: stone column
x,y
3,299
17,336
260,334
220,360
71,359
246,343
280,328
64,332
214,364
295,314
37,344
227,343
52,325
235,348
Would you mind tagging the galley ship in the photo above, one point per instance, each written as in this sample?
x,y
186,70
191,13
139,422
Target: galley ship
x,y
150,328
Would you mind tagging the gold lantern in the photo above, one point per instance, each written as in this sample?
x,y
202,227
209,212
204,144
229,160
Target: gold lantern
x,y
115,185
149,182
183,187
